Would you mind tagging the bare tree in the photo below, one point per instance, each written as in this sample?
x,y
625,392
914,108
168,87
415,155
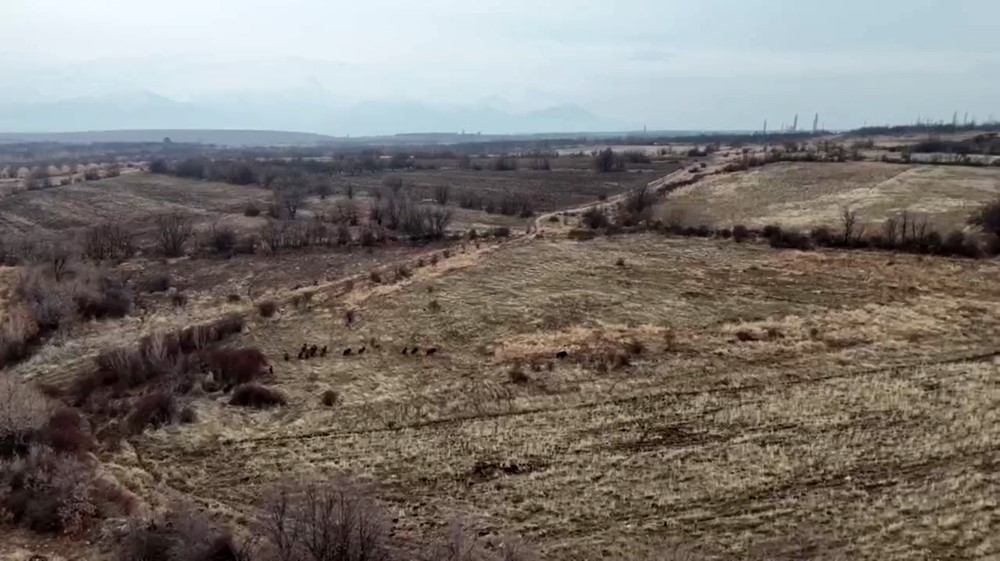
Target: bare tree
x,y
441,194
173,231
289,201
849,221
107,241
437,219
324,520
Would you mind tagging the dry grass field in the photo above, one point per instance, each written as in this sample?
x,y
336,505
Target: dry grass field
x,y
130,199
630,397
774,404
812,194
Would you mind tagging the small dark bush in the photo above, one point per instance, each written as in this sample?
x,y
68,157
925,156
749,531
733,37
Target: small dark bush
x,y
179,299
267,308
236,366
594,218
620,262
154,410
112,302
771,231
330,398
517,375
581,235
501,232
233,298
724,233
822,236
635,347
68,432
159,283
375,277
251,210
791,240
741,233
258,397
188,416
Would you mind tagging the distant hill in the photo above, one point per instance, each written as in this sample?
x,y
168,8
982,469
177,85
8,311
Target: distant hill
x,y
199,136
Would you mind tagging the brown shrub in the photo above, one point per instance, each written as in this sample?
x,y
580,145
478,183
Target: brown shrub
x,y
236,366
48,492
460,544
516,375
188,416
256,396
23,410
19,332
158,283
330,398
179,299
324,520
635,347
182,534
581,235
154,410
68,432
741,233
267,308
594,218
375,277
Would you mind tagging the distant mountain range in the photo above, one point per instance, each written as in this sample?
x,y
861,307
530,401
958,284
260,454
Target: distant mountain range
x,y
143,111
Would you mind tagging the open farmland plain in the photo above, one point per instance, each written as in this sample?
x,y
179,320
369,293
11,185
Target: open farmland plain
x,y
806,195
634,396
724,399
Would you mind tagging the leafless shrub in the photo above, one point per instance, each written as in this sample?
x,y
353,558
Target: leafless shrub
x,y
267,308
442,193
23,410
182,534
173,230
324,520
459,544
988,217
849,223
330,398
740,233
594,218
259,397
48,492
517,375
179,299
157,283
67,432
236,366
222,239
154,410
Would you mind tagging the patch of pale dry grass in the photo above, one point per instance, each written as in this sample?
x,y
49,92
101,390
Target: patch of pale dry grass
x,y
803,195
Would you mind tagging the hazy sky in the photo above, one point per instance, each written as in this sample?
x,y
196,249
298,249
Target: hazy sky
x,y
665,63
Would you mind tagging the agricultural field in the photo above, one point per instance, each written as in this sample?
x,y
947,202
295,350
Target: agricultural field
x,y
634,396
130,199
804,195
723,400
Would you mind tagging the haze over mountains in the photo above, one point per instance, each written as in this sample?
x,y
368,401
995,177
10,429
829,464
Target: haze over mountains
x,y
150,111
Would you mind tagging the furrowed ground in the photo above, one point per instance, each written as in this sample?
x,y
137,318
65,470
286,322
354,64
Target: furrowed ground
x,y
720,398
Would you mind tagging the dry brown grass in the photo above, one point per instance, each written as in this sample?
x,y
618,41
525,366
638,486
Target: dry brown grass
x,y
850,423
811,194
